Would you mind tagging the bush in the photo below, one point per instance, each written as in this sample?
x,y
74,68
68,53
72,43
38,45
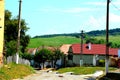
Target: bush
x,y
102,62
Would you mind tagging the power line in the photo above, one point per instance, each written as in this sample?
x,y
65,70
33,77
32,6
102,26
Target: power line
x,y
115,6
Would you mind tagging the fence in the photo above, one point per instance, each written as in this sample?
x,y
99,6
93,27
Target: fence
x,y
21,60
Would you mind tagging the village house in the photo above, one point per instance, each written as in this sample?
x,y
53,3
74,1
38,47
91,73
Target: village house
x,y
91,53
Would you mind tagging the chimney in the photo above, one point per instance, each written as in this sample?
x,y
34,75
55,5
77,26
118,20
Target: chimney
x,y
89,46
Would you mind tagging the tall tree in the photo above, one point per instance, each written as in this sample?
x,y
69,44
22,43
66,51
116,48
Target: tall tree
x,y
11,32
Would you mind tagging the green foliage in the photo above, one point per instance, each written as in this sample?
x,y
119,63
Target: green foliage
x,y
11,33
27,56
4,76
42,56
101,62
114,41
11,48
47,55
13,71
94,40
57,55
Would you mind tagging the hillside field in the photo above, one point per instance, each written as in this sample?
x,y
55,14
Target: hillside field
x,y
58,41
54,41
114,39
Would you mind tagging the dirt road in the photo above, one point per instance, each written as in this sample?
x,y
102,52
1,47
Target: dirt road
x,y
43,75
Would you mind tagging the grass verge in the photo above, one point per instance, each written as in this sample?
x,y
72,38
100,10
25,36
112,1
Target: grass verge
x,y
13,71
83,70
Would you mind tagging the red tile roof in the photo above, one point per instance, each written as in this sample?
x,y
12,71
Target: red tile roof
x,y
95,49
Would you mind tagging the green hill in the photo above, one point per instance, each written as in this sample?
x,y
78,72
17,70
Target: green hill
x,y
52,41
58,41
91,33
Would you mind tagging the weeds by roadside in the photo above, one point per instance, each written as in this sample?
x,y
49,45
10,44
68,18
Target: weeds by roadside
x,y
12,71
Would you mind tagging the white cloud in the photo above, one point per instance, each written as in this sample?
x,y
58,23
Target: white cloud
x,y
99,23
94,22
114,18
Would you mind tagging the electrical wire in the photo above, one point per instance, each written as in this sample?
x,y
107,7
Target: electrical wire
x,y
115,6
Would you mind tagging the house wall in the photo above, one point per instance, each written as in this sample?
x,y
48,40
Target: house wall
x,y
1,29
76,59
87,59
101,57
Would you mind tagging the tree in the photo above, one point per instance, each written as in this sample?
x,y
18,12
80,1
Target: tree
x,y
11,48
11,33
27,56
94,40
57,55
42,56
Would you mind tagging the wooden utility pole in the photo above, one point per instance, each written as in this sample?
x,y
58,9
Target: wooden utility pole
x,y
19,29
107,39
81,52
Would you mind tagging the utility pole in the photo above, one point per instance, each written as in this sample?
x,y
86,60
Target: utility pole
x,y
81,52
19,29
107,39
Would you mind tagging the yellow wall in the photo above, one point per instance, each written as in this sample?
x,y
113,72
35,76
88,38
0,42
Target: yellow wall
x,y
1,29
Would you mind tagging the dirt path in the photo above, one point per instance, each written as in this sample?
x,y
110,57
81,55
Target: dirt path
x,y
44,75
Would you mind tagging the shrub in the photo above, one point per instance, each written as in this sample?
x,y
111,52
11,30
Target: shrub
x,y
101,62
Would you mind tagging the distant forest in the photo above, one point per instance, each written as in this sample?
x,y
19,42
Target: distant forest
x,y
91,33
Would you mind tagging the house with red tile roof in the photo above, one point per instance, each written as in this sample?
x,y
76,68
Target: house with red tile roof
x,y
91,53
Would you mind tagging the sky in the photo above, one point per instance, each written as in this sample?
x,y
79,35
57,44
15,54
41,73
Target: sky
x,y
65,16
